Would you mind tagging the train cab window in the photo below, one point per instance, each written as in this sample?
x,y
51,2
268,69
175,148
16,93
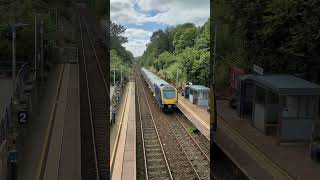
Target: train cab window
x,y
169,94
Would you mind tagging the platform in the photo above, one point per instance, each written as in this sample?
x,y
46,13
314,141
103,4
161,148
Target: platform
x,y
35,133
199,116
53,145
258,155
123,158
63,159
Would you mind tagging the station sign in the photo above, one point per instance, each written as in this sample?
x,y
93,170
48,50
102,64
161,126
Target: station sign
x,y
23,117
257,69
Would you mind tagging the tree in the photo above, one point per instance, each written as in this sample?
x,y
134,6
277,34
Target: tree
x,y
183,49
282,36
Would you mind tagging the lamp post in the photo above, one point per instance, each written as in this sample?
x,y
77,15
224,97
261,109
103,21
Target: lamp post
x,y
121,75
13,28
177,78
13,126
114,76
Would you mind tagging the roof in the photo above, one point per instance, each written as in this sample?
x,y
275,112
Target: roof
x,y
199,88
287,84
246,76
154,78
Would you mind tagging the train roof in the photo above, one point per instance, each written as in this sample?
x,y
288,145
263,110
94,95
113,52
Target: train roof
x,y
154,78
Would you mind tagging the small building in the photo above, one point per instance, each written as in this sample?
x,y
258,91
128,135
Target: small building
x,y
198,94
235,73
282,105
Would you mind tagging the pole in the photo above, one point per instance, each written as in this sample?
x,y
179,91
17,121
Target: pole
x,y
121,74
215,44
13,110
13,61
41,51
114,77
35,42
56,19
177,78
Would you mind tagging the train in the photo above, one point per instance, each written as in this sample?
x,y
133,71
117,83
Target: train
x,y
165,94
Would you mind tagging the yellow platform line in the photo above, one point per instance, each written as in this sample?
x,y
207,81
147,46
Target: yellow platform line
x,y
41,161
202,121
119,129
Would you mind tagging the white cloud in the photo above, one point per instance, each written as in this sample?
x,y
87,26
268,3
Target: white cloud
x,y
137,33
168,12
136,46
137,40
122,11
171,12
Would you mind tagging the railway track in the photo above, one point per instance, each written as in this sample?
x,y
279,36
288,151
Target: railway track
x,y
185,156
155,160
94,109
197,157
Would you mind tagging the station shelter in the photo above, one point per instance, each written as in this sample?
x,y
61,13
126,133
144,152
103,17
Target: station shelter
x,y
282,105
197,94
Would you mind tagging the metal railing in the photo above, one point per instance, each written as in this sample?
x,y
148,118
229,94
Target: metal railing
x,y
6,119
22,77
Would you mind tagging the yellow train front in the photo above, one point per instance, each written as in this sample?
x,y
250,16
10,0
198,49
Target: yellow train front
x,y
165,94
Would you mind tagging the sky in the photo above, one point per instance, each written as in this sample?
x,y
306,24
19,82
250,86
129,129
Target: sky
x,y
142,17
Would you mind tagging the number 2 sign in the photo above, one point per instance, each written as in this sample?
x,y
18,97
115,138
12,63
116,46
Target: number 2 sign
x,y
23,117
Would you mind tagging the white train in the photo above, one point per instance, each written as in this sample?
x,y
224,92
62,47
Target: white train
x,y
165,94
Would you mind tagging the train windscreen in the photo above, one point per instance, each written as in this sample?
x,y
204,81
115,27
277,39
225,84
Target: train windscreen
x,y
169,94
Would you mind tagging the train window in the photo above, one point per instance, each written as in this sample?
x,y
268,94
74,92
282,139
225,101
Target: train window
x,y
169,94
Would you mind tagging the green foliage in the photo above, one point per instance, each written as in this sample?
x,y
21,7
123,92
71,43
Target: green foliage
x,y
282,36
121,59
117,40
23,11
99,6
118,64
184,37
181,51
193,130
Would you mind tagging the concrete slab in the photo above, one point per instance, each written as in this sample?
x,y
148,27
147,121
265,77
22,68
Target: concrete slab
x,y
115,128
125,156
198,116
51,171
70,160
279,161
28,167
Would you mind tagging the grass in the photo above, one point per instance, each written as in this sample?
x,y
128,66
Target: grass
x,y
192,130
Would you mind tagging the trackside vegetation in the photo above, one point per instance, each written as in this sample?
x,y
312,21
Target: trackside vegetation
x,y
182,50
121,59
282,36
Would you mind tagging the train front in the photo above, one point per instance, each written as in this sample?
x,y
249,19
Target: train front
x,y
169,97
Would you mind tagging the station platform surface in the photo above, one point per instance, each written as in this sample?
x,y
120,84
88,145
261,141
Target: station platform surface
x,y
123,134
258,155
199,116
53,142
5,93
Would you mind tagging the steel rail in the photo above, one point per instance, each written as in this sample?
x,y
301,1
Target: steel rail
x,y
199,147
184,151
90,110
97,59
156,129
142,135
